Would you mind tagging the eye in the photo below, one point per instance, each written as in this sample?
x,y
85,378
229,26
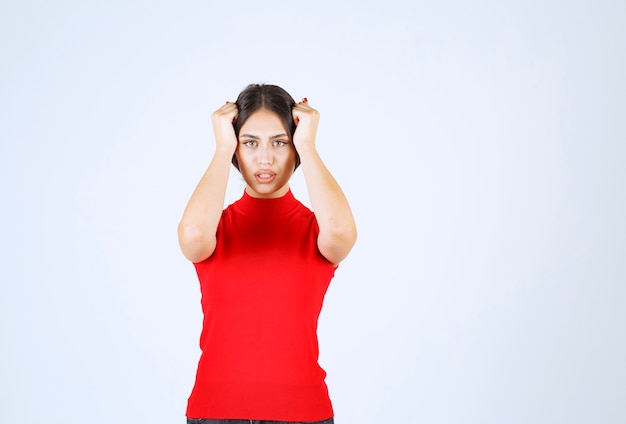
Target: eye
x,y
279,143
249,143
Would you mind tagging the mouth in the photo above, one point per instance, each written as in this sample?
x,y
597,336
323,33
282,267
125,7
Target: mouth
x,y
264,176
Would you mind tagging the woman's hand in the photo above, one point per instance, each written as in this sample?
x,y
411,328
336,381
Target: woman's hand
x,y
306,119
198,226
222,120
337,230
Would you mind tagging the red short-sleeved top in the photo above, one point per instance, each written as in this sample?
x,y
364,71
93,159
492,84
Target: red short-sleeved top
x,y
262,293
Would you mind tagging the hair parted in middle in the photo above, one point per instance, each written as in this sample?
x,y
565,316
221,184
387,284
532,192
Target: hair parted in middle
x,y
270,97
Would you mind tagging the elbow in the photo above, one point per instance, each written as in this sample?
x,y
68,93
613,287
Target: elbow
x,y
337,243
343,230
195,243
345,235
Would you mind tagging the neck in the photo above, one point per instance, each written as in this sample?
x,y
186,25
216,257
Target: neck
x,y
272,195
267,206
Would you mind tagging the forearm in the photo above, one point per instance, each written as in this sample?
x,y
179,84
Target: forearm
x,y
330,205
196,231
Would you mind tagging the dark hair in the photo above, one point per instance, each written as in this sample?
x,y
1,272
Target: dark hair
x,y
269,97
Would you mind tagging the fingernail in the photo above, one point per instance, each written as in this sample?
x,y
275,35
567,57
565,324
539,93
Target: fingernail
x,y
304,100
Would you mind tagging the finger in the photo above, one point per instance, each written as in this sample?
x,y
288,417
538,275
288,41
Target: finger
x,y
303,106
229,108
295,114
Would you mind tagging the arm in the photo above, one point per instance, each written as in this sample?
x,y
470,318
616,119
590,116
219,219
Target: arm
x,y
196,231
337,227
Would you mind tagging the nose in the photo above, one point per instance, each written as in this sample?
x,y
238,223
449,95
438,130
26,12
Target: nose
x,y
265,154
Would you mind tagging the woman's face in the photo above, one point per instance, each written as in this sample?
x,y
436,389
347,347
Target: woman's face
x,y
266,155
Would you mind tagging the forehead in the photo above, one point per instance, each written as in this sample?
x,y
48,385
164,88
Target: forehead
x,y
263,121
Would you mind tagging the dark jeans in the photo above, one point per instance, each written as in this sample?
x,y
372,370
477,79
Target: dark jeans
x,y
205,421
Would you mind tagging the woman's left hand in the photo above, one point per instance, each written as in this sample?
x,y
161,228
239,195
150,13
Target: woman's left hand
x,y
306,119
337,230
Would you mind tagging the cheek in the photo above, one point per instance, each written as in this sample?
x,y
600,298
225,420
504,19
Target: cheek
x,y
241,155
290,155
288,162
241,162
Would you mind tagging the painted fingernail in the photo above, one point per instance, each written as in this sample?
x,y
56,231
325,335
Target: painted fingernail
x,y
304,100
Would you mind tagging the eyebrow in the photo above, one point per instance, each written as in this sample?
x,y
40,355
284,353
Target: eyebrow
x,y
255,137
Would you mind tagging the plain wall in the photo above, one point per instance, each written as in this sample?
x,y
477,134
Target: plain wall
x,y
482,147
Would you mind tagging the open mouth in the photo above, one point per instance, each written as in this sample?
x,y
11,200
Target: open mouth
x,y
264,176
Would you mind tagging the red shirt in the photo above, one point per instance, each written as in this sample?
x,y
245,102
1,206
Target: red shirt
x,y
262,293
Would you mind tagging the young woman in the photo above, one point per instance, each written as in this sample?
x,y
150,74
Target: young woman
x,y
264,264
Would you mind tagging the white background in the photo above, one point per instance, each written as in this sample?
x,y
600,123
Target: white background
x,y
481,144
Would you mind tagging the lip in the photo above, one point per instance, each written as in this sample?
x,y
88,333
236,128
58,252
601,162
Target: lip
x,y
264,176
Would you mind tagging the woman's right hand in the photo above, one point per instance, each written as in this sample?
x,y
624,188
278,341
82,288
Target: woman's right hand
x,y
222,120
198,226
